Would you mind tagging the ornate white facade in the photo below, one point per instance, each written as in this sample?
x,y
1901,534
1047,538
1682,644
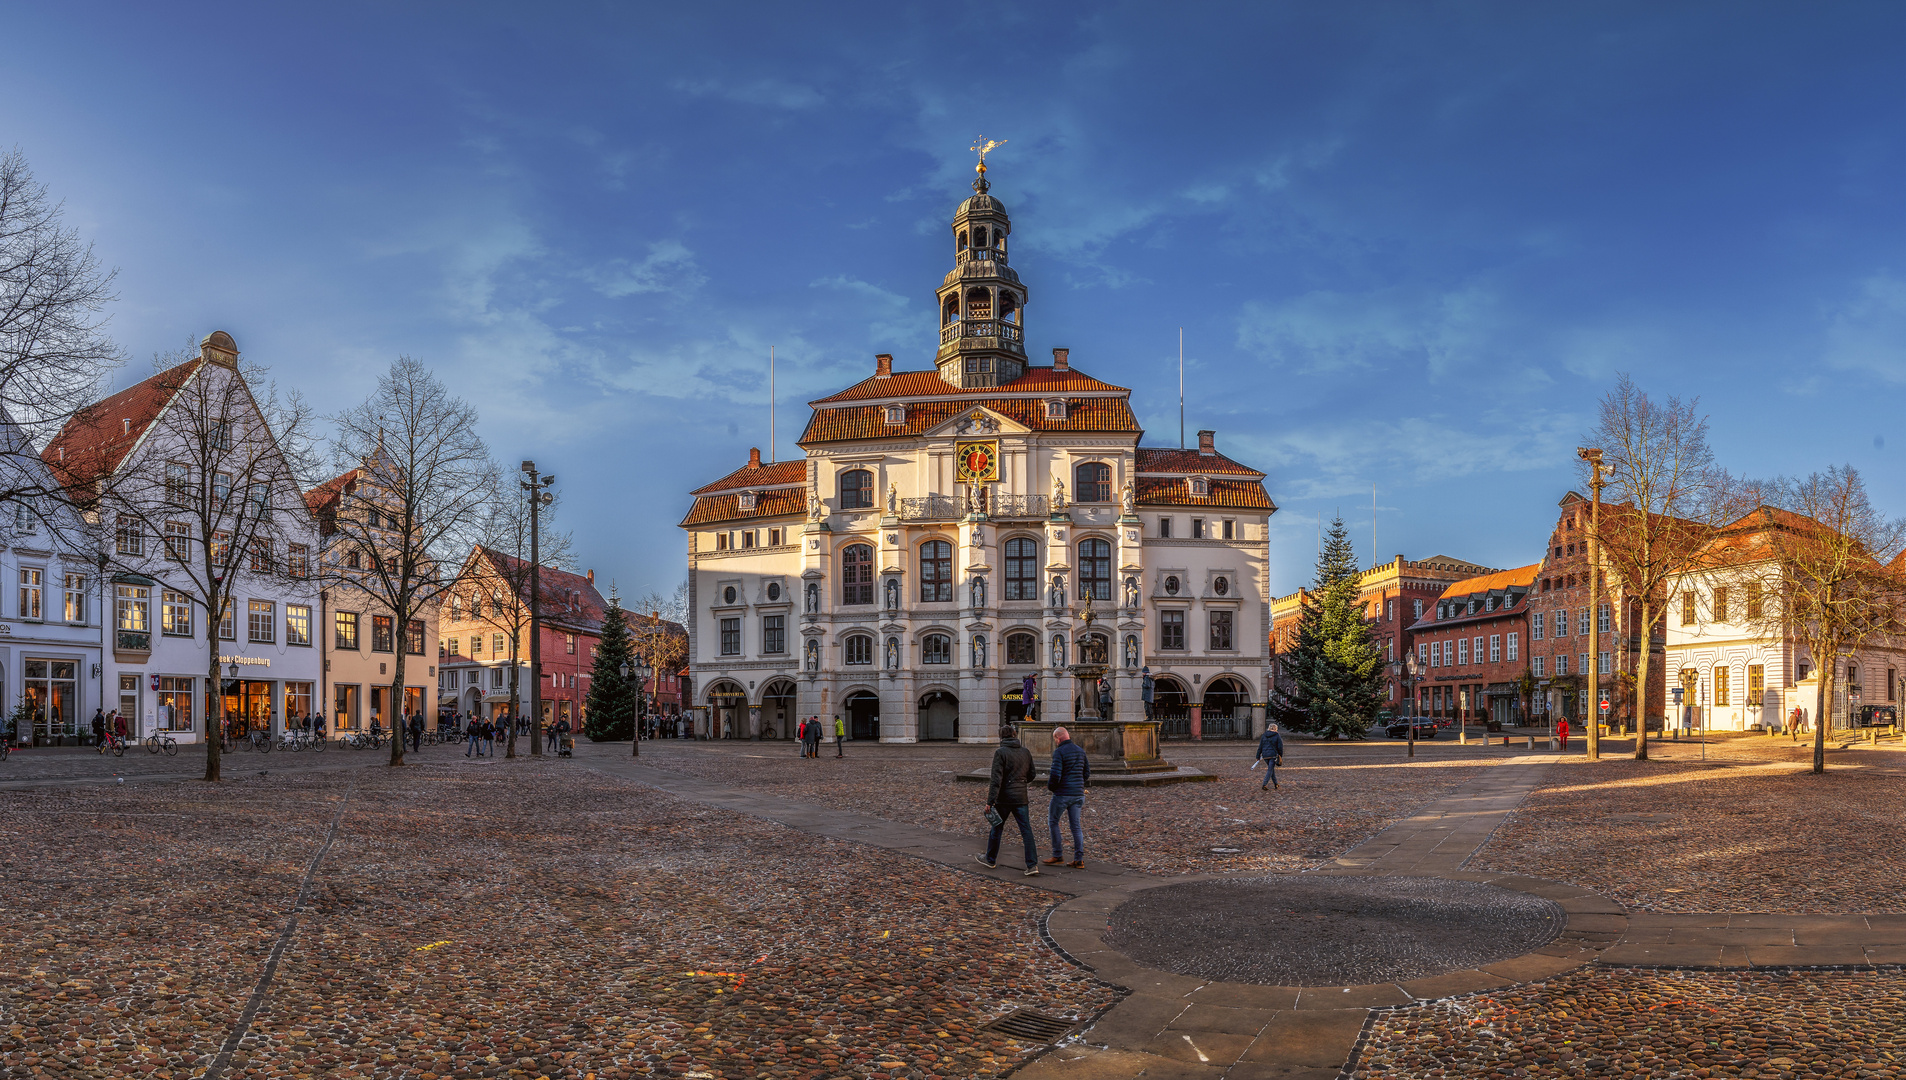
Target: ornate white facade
x,y
937,544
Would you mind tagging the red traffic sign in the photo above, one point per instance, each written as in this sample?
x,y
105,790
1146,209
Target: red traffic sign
x,y
1604,704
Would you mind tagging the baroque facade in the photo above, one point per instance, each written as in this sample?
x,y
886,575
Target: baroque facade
x,y
954,531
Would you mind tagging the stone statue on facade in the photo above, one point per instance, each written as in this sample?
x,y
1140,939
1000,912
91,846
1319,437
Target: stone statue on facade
x,y
813,655
893,654
1131,592
1129,497
1058,650
1058,493
893,498
893,594
816,510
982,498
976,591
1131,650
979,651
813,598
1056,596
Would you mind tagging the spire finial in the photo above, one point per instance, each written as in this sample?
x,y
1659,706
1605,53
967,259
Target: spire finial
x,y
983,146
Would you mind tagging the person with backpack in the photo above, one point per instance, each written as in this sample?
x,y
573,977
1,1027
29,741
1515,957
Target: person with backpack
x,y
840,734
99,730
1066,778
1006,797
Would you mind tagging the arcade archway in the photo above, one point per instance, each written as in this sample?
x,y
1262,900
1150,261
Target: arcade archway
x,y
777,710
863,714
1227,709
939,716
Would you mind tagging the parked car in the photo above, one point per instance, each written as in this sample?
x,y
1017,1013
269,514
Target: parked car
x,y
1399,728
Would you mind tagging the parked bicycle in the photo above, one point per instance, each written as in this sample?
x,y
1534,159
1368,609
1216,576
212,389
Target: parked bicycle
x,y
158,741
116,743
361,740
259,741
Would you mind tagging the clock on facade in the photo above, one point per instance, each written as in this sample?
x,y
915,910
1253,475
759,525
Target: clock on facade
x,y
978,461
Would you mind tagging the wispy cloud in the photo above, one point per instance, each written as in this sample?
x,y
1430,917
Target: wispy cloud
x,y
669,267
1329,331
770,93
1867,332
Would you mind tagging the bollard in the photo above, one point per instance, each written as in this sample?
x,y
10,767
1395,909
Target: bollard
x,y
1531,742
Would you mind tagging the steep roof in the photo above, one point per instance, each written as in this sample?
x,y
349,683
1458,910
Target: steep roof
x,y
781,502
1160,459
1096,414
96,441
1224,494
756,475
568,599
915,385
1521,577
323,500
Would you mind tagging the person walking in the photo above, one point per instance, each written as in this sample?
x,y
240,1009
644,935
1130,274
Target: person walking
x,y
1561,731
99,730
814,739
416,732
473,735
1029,696
119,726
1006,797
1793,723
1270,751
840,736
1066,778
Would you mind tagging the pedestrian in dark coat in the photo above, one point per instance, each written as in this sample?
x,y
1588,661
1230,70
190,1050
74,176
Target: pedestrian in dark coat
x,y
416,732
1066,779
1270,751
99,730
1006,797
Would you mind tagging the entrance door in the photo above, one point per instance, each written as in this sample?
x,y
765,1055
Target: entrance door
x,y
777,712
863,715
939,716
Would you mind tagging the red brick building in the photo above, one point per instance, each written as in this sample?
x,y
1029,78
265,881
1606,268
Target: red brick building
x,y
1472,646
1559,623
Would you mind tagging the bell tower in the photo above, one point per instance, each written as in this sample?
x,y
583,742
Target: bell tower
x,y
981,302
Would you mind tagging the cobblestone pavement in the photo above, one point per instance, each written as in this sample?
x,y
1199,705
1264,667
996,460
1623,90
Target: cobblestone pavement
x,y
1331,797
1639,1023
1751,829
527,918
34,766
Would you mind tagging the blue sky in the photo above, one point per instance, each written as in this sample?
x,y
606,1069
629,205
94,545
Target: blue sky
x,y
1409,244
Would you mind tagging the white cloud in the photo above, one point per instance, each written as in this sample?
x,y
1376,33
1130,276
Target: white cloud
x,y
668,267
1326,330
1868,332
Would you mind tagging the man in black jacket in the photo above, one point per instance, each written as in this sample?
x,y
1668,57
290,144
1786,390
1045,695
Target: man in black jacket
x,y
1006,796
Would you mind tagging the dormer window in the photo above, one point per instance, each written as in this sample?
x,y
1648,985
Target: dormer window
x,y
896,414
1056,410
1489,604
747,502
1200,486
1471,608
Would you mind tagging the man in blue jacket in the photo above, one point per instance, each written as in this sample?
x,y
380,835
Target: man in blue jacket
x,y
1069,774
1270,750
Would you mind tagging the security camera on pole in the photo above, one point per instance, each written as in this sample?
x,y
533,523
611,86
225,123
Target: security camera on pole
x,y
539,497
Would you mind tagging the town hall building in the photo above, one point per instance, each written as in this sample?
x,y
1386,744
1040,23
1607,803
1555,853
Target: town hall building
x,y
953,531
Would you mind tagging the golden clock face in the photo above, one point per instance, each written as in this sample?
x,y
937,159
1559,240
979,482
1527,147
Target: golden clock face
x,y
978,461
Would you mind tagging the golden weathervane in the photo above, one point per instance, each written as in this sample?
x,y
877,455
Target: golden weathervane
x,y
982,147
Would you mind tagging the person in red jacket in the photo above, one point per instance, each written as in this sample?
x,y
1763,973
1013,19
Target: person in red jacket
x,y
1561,728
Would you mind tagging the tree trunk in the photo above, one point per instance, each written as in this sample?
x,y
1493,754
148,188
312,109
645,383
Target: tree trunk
x,y
509,742
214,725
399,721
1641,686
1822,698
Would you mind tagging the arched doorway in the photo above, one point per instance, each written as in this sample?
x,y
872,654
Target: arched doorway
x,y
939,716
1171,707
777,710
727,711
863,714
1227,709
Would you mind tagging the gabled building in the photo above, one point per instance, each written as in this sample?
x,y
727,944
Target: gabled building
x,y
483,632
1470,648
947,530
1559,624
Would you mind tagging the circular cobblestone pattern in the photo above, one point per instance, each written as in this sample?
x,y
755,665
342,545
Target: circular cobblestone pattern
x,y
1286,930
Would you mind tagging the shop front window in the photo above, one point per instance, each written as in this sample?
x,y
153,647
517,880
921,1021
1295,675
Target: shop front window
x,y
52,689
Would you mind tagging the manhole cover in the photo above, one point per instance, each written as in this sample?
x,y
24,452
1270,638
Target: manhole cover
x,y
1032,1026
1288,930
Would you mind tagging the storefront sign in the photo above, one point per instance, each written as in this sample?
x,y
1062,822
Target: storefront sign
x,y
246,661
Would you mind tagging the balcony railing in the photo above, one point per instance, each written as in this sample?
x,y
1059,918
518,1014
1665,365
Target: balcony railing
x,y
133,641
992,328
932,508
1020,506
981,254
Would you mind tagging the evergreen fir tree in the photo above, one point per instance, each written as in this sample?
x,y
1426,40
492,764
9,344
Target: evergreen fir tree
x,y
612,696
1335,673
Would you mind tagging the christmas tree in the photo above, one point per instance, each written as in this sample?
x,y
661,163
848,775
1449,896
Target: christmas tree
x,y
613,696
1335,673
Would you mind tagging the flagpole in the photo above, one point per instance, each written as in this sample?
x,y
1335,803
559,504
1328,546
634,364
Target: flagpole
x,y
1181,388
772,450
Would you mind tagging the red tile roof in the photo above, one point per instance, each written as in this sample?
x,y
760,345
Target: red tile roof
x,y
913,385
757,476
1107,414
1520,577
781,502
558,589
322,500
1159,459
1225,494
93,444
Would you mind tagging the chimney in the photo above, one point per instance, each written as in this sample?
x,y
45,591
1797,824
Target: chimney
x,y
125,426
754,457
1207,443
1059,360
592,577
883,365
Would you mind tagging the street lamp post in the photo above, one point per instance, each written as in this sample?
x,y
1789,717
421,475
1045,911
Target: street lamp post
x,y
539,497
1594,673
1406,670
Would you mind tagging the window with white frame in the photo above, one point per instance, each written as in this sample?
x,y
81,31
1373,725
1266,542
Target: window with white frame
x,y
1511,657
76,598
31,591
1535,626
1495,648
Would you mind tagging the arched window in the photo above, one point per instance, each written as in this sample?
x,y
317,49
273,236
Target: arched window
x,y
979,303
1095,569
962,241
1019,648
979,237
1092,482
1008,307
856,489
857,575
858,649
1022,569
950,311
936,649
936,572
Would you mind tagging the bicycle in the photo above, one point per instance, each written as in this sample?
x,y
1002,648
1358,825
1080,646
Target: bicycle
x,y
260,741
117,743
158,741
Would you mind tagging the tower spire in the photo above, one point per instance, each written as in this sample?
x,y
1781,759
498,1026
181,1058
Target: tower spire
x,y
981,301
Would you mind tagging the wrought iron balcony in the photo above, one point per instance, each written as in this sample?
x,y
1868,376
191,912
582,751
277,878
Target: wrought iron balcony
x,y
932,508
1021,506
981,328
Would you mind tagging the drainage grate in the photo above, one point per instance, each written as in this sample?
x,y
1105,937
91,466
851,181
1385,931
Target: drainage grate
x,y
1032,1026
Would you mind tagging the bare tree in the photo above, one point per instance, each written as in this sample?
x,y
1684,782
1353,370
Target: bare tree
x,y
658,631
54,351
424,485
1816,565
495,579
203,495
1668,497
